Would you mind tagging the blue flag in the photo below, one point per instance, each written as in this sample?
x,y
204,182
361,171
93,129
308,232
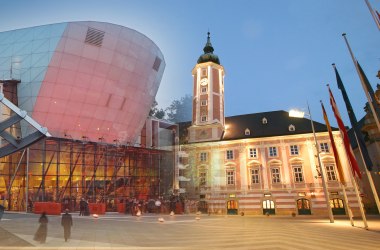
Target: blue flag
x,y
354,123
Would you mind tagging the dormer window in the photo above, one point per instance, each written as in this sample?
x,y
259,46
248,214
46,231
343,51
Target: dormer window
x,y
292,127
264,120
247,131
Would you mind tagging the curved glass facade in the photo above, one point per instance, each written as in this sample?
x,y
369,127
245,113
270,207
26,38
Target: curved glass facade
x,y
84,80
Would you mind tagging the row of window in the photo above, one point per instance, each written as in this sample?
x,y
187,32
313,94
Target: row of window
x,y
298,175
272,151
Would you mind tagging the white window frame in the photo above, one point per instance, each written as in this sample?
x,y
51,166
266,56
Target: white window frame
x,y
272,152
252,152
324,147
203,156
203,102
330,172
204,118
298,174
294,150
255,176
203,90
229,154
247,131
276,175
230,177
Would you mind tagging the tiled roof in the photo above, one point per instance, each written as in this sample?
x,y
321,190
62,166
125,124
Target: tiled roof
x,y
278,123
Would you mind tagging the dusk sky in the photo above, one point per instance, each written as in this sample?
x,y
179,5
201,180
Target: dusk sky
x,y
277,54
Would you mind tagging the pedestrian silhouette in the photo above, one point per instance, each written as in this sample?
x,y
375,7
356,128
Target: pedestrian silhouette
x,y
41,233
82,207
67,223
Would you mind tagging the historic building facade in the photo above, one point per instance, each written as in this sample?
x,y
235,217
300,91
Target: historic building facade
x,y
255,163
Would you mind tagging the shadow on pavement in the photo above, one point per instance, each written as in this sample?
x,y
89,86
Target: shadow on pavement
x,y
11,240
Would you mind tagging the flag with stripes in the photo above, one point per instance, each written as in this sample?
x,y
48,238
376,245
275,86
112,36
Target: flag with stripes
x,y
346,140
335,150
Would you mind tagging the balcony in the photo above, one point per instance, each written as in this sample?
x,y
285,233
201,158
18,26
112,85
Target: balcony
x,y
182,166
183,178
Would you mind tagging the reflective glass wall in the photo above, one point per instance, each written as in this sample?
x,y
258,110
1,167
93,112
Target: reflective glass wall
x,y
63,170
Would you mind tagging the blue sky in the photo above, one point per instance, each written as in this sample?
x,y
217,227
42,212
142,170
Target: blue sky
x,y
277,53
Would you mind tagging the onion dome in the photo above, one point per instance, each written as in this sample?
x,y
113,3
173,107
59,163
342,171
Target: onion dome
x,y
208,56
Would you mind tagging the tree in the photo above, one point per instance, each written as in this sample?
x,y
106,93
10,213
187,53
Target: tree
x,y
156,112
180,110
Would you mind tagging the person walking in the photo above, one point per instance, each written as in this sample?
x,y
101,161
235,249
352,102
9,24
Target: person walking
x,y
41,233
82,207
67,223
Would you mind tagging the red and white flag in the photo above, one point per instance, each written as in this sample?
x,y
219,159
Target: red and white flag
x,y
346,140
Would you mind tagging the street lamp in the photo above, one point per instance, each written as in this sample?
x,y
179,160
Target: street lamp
x,y
300,114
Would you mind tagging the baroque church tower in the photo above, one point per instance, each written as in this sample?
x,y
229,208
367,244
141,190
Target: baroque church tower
x,y
208,97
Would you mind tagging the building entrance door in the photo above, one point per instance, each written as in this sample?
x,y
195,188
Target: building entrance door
x,y
303,206
337,206
268,207
232,207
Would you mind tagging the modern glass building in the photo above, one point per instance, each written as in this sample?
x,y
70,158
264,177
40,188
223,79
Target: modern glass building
x,y
91,84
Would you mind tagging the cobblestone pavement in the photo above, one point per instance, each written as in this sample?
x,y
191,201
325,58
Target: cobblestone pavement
x,y
119,231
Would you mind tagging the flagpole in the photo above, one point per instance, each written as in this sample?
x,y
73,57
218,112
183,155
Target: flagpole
x,y
363,84
355,185
326,193
358,136
364,218
373,14
370,180
347,204
338,164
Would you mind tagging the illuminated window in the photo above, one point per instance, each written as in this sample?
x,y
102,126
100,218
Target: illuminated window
x,y
202,178
330,171
230,177
229,154
264,120
294,149
255,177
336,203
275,175
298,176
252,153
272,151
324,147
203,156
204,103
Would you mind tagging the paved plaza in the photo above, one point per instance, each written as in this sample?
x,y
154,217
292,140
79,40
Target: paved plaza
x,y
119,231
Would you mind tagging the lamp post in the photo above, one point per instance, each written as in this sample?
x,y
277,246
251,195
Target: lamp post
x,y
300,114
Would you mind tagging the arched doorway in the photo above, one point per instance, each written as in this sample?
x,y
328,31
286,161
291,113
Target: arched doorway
x,y
337,206
203,206
232,207
268,207
303,206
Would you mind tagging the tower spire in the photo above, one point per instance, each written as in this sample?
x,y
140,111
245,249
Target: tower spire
x,y
208,50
